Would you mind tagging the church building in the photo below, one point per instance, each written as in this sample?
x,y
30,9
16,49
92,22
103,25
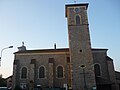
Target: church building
x,y
79,67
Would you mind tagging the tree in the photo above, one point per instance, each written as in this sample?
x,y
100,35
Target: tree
x,y
3,82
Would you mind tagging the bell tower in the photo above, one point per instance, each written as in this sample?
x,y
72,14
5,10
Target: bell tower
x,y
83,77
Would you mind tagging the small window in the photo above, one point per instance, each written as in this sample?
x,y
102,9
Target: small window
x,y
78,19
68,59
24,73
60,72
97,70
41,72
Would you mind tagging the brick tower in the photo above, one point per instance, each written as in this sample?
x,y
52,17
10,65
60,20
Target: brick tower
x,y
83,77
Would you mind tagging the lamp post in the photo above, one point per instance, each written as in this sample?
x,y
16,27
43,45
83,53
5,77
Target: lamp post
x,y
2,51
83,68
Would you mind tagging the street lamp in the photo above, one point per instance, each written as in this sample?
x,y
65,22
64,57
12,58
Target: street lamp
x,y
83,68
2,51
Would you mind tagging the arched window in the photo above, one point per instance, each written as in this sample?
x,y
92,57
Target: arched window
x,y
24,73
41,72
60,72
97,70
78,19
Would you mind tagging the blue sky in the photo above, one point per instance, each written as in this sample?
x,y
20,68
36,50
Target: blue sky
x,y
41,23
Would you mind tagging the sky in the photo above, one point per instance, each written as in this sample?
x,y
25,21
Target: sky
x,y
41,23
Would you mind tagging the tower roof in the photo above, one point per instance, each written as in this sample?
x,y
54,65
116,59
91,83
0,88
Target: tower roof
x,y
75,5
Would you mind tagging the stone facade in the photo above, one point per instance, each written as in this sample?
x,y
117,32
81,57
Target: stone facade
x,y
51,59
33,60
